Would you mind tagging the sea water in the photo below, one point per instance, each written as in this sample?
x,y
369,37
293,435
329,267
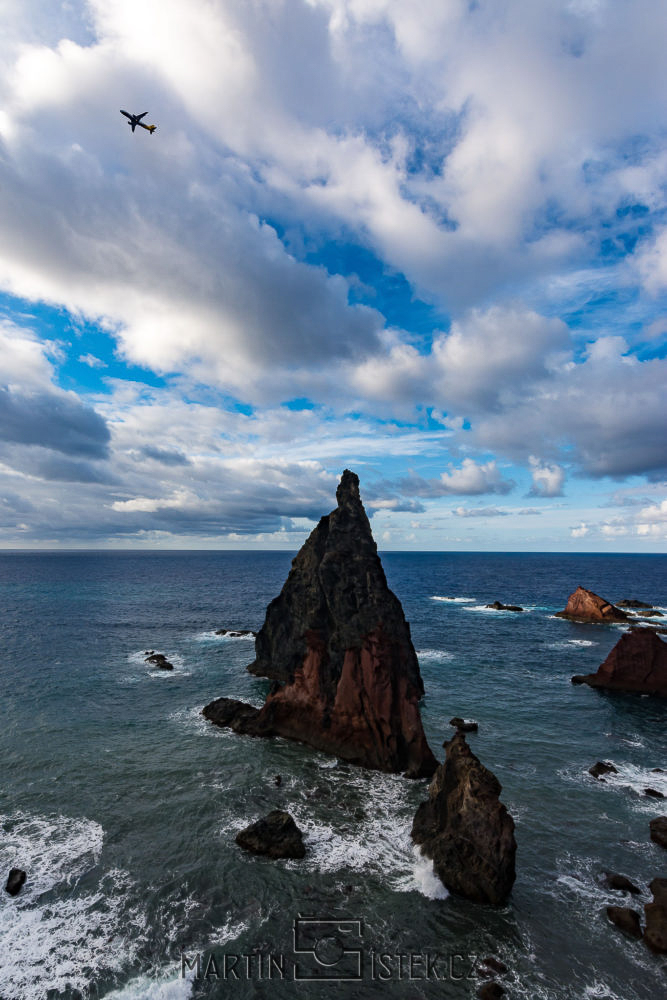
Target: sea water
x,y
121,802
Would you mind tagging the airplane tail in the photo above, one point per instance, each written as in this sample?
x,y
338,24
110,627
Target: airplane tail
x,y
151,128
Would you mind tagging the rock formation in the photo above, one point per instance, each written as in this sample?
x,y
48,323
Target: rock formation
x,y
602,767
620,883
626,919
632,603
655,934
15,881
465,725
276,836
658,828
585,606
498,606
638,662
465,829
158,660
338,648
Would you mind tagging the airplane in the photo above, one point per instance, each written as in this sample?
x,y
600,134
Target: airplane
x,y
136,120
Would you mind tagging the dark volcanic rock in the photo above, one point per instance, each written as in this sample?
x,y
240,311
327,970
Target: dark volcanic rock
x,y
625,919
653,793
602,767
337,645
465,829
655,934
234,714
638,662
620,883
585,606
490,991
658,828
465,727
276,836
632,604
497,606
491,966
15,881
159,660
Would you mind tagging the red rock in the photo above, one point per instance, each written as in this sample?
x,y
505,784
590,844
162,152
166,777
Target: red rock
x,y
585,606
638,662
337,646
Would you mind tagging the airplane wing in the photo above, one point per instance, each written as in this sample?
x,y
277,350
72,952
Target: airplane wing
x,y
126,113
142,115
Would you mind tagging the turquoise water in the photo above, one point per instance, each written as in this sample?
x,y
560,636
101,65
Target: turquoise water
x,y
121,802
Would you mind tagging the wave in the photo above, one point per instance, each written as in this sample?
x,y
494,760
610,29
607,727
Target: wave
x,y
454,600
434,654
51,937
233,636
576,643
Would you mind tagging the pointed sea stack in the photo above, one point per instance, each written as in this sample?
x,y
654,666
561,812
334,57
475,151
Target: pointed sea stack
x,y
638,662
337,646
464,827
585,606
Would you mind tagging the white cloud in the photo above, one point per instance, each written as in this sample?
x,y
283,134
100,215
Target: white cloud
x,y
547,479
580,531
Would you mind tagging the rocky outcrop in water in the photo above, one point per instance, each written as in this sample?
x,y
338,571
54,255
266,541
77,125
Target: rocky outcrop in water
x,y
620,883
465,828
585,606
497,606
337,646
658,828
632,603
276,836
626,919
15,881
638,662
655,934
602,767
158,660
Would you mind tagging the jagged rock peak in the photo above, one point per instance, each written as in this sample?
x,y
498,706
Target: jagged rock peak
x,y
638,662
336,643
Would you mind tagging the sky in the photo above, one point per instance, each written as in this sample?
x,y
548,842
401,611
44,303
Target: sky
x,y
425,241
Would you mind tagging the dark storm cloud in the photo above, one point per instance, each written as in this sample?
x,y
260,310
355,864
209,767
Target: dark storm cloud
x,y
166,456
53,421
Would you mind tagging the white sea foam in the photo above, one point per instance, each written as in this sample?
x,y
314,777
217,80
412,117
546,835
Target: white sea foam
x,y
160,987
572,643
434,654
58,942
454,600
212,636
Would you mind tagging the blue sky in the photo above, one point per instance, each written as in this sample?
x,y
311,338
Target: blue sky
x,y
424,241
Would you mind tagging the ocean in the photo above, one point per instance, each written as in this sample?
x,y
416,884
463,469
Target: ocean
x,y
121,802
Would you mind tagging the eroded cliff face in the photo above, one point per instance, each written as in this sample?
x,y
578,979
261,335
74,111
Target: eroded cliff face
x,y
638,662
464,827
337,645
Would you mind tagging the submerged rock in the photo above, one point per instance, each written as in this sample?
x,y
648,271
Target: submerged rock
x,y
626,920
658,828
653,793
15,881
655,934
159,660
465,828
638,662
632,603
585,606
490,991
620,883
602,767
337,646
276,836
497,606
